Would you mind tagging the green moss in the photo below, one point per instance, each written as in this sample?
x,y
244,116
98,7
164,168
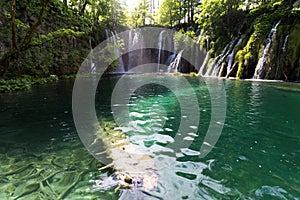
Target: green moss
x,y
177,74
202,42
71,76
293,48
254,44
240,58
248,56
193,74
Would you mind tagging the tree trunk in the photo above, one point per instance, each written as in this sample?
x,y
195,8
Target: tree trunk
x,y
5,60
171,17
83,8
192,12
10,54
29,33
180,13
189,10
13,24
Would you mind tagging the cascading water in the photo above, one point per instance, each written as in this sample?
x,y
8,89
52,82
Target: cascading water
x,y
164,53
200,53
260,70
285,43
203,67
93,66
164,39
281,51
223,63
232,54
220,59
173,67
171,59
112,37
135,46
211,66
207,44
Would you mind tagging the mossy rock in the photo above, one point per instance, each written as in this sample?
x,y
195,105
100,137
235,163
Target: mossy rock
x,y
293,48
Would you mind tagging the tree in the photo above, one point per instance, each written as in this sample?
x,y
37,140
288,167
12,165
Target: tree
x,y
169,12
221,18
141,15
189,9
172,11
28,47
25,44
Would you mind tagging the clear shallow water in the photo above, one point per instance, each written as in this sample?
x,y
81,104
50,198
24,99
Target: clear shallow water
x,y
256,157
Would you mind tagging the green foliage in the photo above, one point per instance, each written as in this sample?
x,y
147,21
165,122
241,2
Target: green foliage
x,y
175,12
184,39
15,84
71,76
221,20
261,27
60,44
177,74
240,58
24,82
169,12
141,15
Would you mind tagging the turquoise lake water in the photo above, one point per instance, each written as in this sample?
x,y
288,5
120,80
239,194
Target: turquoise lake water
x,y
256,157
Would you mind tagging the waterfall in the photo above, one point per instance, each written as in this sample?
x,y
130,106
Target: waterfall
x,y
211,66
113,40
164,39
130,44
259,70
221,57
207,44
232,54
135,47
200,53
171,59
200,36
173,67
93,67
281,50
138,52
202,70
218,65
203,67
285,43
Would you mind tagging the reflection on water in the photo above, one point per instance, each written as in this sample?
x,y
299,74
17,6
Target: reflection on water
x,y
256,157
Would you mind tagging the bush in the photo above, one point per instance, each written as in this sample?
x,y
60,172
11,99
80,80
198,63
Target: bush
x,y
23,83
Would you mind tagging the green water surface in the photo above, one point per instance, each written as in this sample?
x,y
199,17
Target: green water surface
x,y
256,156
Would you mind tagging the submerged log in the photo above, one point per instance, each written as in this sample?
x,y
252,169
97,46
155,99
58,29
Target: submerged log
x,y
133,168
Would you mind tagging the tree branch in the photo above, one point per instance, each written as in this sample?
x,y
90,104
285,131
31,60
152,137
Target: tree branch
x,y
29,33
5,59
13,24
